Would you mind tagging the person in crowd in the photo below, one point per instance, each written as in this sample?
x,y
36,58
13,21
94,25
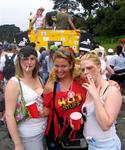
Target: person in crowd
x,y
110,54
83,51
25,87
33,44
118,61
106,70
101,107
70,96
1,72
7,61
42,49
38,19
43,65
49,58
122,43
50,20
2,104
63,20
118,65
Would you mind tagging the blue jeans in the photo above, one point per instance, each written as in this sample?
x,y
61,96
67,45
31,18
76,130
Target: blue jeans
x,y
111,144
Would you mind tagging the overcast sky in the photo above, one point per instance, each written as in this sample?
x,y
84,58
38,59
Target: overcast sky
x,y
17,11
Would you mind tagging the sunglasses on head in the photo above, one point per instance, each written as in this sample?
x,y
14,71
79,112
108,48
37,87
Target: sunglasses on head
x,y
66,53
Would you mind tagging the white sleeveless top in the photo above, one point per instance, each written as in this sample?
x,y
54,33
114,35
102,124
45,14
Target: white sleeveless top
x,y
91,126
39,22
31,127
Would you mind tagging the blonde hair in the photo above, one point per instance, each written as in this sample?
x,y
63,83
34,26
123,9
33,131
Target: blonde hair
x,y
93,57
69,56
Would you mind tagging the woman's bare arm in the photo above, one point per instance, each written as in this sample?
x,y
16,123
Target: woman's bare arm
x,y
11,95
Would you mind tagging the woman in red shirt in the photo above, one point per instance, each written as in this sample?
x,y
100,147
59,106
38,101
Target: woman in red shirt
x,y
69,97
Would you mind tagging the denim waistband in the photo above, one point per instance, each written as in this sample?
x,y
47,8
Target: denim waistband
x,y
112,143
92,139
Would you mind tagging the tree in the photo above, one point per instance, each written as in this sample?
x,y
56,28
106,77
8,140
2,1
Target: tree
x,y
71,5
102,17
7,32
110,21
89,9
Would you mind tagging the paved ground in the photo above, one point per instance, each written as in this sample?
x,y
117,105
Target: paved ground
x,y
121,125
6,143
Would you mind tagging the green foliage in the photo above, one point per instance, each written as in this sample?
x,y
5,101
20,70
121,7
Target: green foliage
x,y
69,4
100,17
108,42
109,22
7,32
79,22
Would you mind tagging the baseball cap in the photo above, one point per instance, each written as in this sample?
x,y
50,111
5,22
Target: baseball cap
x,y
53,47
84,49
122,40
110,50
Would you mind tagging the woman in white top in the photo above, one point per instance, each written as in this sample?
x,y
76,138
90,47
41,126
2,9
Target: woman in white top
x,y
29,133
101,108
38,19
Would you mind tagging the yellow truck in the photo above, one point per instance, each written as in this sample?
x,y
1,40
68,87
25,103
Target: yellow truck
x,y
44,38
75,39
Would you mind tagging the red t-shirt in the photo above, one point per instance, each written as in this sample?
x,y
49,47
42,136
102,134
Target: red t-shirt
x,y
64,105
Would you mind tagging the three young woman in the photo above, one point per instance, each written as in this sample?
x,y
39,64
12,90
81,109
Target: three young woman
x,y
100,106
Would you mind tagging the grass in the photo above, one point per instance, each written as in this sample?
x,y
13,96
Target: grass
x,y
109,45
109,42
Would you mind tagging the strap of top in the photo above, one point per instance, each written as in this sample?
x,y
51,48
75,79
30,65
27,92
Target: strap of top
x,y
41,82
105,89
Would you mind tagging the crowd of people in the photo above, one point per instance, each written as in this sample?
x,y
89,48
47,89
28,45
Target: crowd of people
x,y
66,87
59,82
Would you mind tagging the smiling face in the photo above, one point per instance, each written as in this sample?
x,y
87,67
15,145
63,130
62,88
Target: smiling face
x,y
28,63
62,68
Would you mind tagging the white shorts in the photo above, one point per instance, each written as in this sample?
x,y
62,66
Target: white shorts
x,y
34,143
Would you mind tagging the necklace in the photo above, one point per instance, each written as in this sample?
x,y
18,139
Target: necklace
x,y
70,92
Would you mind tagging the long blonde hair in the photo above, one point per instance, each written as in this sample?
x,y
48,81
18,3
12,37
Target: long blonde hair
x,y
69,56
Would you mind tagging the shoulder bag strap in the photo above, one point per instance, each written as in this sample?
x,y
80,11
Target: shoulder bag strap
x,y
53,99
54,94
21,91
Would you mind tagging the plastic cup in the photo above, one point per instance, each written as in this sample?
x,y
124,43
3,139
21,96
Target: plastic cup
x,y
32,108
75,119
